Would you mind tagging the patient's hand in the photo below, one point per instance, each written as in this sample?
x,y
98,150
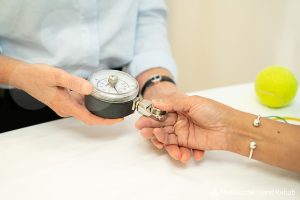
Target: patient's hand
x,y
193,123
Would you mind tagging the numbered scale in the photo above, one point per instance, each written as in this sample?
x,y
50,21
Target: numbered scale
x,y
115,95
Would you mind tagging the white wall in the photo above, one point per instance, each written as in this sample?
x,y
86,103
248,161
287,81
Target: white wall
x,y
223,42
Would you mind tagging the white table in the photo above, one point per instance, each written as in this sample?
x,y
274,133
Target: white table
x,y
67,160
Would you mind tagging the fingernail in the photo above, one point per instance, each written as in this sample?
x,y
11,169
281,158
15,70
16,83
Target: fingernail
x,y
198,158
177,157
183,159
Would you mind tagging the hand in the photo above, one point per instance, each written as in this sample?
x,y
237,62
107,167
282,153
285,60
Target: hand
x,y
165,90
61,91
193,122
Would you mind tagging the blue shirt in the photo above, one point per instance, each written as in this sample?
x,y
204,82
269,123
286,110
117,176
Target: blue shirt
x,y
81,36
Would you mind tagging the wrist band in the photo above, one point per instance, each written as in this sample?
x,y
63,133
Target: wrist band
x,y
155,79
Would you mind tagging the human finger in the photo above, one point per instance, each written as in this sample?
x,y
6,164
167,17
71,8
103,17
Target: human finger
x,y
146,122
162,133
157,144
185,154
79,98
177,104
173,151
81,113
147,133
77,84
198,154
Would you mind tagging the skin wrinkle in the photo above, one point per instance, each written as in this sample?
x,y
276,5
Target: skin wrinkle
x,y
174,128
166,138
191,126
167,130
180,124
173,139
217,127
206,139
192,130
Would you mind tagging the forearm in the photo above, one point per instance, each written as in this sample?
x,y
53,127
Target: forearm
x,y
9,67
277,143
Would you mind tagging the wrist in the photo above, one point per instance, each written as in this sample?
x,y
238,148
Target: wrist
x,y
158,89
11,70
161,90
20,75
241,132
157,78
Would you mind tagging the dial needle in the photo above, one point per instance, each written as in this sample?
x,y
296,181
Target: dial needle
x,y
112,81
116,89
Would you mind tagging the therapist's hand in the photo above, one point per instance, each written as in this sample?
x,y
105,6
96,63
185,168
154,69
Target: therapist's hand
x,y
61,91
193,122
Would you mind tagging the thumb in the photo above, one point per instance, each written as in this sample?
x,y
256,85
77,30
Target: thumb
x,y
74,83
165,104
177,104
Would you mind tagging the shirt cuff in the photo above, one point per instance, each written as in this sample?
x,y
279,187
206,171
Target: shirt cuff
x,y
146,61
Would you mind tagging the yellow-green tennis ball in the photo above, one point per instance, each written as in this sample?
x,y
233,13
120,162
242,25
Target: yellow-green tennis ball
x,y
276,86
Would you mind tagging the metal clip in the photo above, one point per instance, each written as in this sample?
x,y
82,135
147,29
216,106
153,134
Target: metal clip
x,y
146,108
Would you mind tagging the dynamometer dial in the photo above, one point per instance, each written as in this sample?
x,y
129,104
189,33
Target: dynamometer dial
x,y
114,86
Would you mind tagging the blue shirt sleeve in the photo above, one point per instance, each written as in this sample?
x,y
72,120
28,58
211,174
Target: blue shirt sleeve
x,y
152,48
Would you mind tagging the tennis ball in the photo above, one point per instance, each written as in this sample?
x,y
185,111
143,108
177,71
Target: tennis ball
x,y
276,86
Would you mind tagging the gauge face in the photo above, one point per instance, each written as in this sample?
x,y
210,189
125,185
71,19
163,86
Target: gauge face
x,y
114,86
121,87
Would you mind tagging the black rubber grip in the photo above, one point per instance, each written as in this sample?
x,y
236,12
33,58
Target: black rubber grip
x,y
108,110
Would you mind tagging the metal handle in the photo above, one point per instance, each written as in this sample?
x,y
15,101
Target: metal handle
x,y
145,108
